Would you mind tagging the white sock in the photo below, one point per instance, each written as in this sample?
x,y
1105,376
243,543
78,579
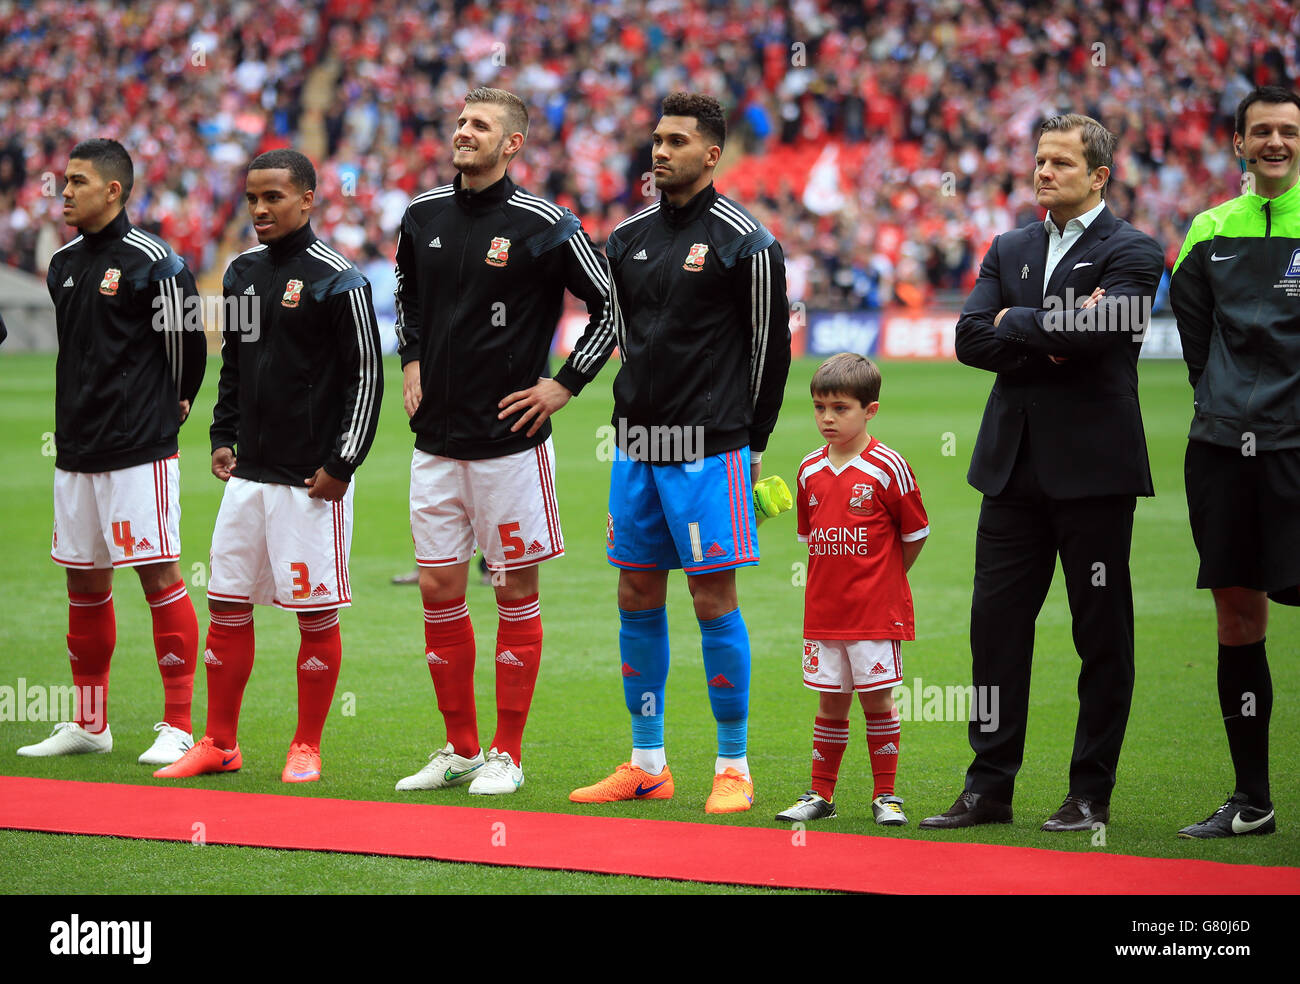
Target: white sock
x,y
651,761
741,765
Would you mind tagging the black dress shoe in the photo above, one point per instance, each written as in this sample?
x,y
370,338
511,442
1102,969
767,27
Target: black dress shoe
x,y
1077,813
970,810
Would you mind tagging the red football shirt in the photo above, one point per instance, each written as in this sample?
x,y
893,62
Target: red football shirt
x,y
855,522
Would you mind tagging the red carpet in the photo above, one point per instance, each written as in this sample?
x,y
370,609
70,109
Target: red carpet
x,y
649,848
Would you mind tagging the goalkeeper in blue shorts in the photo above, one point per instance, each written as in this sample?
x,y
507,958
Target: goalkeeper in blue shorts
x,y
706,351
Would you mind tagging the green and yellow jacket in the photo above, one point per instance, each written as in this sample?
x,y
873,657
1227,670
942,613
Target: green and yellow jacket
x,y
1236,294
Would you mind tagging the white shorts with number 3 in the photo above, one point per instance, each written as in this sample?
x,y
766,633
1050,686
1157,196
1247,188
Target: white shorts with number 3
x,y
506,505
275,545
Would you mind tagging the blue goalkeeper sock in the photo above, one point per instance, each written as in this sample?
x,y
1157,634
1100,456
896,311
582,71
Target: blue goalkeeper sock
x,y
643,645
725,644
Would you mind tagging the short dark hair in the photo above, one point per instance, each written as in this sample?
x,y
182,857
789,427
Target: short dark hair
x,y
848,374
299,167
1098,142
1265,94
111,161
709,118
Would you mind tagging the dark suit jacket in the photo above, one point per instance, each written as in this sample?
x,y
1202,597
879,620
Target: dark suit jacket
x,y
1082,416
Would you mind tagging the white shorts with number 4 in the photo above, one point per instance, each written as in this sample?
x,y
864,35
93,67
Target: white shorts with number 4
x,y
845,665
275,545
506,505
122,518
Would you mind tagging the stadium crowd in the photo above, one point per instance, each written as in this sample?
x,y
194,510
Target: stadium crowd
x,y
934,103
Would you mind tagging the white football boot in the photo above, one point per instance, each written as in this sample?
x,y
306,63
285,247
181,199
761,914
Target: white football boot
x,y
445,768
499,777
70,738
168,747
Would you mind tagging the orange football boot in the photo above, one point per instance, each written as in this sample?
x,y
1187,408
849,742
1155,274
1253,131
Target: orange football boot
x,y
627,783
203,758
732,793
302,765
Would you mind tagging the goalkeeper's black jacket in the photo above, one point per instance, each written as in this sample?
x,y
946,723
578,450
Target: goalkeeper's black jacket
x,y
131,347
706,329
481,277
301,379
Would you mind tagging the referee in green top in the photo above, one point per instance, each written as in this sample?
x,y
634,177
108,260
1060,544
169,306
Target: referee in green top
x,y
1236,294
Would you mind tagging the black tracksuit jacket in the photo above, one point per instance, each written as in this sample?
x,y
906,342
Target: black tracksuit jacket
x,y
131,347
706,336
480,287
301,378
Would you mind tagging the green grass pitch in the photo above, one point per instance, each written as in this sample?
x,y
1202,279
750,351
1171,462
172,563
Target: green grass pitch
x,y
1174,769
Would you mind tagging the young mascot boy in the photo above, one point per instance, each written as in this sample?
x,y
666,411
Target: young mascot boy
x,y
861,515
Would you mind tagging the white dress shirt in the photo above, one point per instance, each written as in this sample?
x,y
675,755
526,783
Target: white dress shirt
x,y
1059,243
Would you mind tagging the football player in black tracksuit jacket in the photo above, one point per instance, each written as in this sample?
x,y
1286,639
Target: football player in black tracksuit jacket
x,y
706,352
297,405
126,377
482,267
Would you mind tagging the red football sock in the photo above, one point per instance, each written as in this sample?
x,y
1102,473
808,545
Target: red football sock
x,y
92,634
830,738
519,656
176,644
228,658
319,656
884,736
449,650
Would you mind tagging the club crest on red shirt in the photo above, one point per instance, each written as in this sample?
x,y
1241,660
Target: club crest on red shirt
x,y
499,252
860,502
292,293
112,280
695,258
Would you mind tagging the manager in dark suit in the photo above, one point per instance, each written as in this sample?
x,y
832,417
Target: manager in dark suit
x,y
1058,313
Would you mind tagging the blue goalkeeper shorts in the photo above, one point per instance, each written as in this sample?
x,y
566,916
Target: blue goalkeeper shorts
x,y
698,515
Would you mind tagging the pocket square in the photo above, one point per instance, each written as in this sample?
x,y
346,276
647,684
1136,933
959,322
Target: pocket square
x,y
1077,265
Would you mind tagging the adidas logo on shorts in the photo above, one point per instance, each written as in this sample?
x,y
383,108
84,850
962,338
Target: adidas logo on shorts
x,y
715,550
320,590
143,544
312,664
876,670
210,658
890,749
534,548
433,659
171,659
509,658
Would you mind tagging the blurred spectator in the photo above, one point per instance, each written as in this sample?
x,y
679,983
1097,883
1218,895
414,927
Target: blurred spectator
x,y
896,112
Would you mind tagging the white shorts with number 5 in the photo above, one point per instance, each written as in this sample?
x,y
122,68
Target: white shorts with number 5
x,y
275,545
506,505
